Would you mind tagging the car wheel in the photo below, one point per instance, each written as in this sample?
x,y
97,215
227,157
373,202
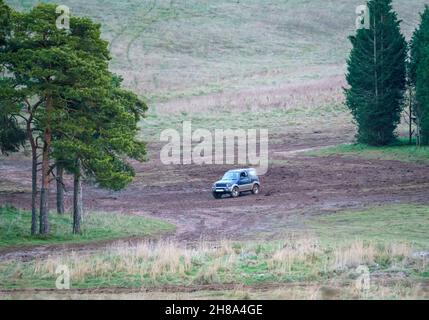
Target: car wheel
x,y
255,189
217,195
235,192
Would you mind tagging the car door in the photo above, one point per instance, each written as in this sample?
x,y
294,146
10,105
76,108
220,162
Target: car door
x,y
244,183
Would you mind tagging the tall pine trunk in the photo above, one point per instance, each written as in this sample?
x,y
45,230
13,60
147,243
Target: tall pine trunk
x,y
44,191
419,77
410,121
60,189
77,198
33,178
34,193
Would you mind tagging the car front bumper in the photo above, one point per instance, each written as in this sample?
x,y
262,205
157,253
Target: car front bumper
x,y
221,190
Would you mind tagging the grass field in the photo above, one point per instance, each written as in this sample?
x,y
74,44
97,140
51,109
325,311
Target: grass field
x,y
386,239
400,151
180,49
235,64
277,120
15,228
224,63
405,223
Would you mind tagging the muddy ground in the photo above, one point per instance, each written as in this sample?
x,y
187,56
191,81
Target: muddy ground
x,y
295,185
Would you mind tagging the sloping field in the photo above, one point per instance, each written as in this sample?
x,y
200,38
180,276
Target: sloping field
x,y
169,49
242,64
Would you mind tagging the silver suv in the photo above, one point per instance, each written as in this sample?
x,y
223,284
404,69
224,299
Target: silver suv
x,y
234,182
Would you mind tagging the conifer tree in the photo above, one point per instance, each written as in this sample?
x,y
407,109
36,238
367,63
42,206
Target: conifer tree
x,y
12,137
5,12
44,62
99,136
12,134
58,82
419,76
376,75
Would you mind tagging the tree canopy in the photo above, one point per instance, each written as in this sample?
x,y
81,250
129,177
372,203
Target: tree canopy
x,y
419,75
72,108
377,75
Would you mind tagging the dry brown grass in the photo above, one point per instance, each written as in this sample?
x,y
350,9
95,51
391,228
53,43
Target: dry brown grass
x,y
353,255
170,258
225,262
291,253
154,259
287,97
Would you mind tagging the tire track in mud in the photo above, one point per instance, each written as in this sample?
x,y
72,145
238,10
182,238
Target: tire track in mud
x,y
325,289
295,186
164,288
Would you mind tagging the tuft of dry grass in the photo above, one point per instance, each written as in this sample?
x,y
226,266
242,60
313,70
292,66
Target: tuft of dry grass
x,y
294,252
293,260
353,255
401,250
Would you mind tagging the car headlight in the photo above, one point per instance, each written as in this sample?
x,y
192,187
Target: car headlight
x,y
228,185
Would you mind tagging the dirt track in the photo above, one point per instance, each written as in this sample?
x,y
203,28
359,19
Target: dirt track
x,y
294,185
332,290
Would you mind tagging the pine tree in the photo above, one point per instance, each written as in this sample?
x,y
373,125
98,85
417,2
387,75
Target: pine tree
x,y
376,75
74,111
419,76
42,64
98,138
12,137
5,28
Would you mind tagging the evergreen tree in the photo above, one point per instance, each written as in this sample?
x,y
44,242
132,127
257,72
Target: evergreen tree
x,y
34,63
376,75
5,12
12,137
21,92
73,109
419,76
98,138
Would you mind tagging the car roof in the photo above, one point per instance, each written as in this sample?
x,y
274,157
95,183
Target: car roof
x,y
241,170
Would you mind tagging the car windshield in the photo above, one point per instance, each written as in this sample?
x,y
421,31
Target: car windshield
x,y
230,176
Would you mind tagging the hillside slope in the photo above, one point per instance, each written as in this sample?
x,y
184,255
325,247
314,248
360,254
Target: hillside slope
x,y
168,49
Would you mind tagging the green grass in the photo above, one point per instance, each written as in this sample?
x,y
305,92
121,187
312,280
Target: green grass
x,y
329,255
400,151
187,48
276,119
126,269
407,223
15,228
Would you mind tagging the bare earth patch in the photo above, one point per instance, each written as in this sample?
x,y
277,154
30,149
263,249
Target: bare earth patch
x,y
295,184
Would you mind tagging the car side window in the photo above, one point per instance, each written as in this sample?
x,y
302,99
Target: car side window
x,y
243,175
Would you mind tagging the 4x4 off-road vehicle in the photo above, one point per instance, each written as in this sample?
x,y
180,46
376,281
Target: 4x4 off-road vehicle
x,y
235,182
